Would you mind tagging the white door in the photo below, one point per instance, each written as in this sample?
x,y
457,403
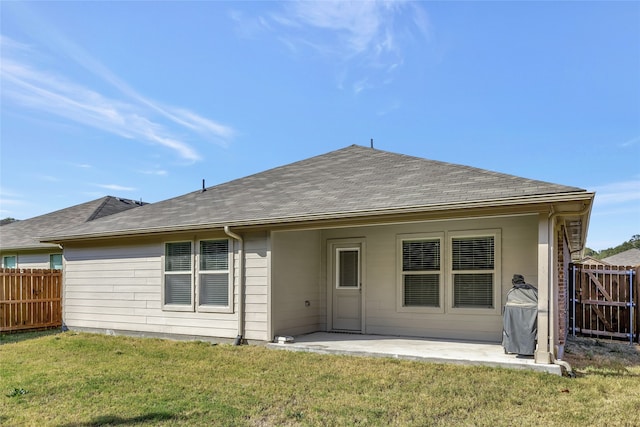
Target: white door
x,y
346,284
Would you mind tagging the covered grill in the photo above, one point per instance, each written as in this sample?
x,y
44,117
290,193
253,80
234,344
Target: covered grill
x,y
520,319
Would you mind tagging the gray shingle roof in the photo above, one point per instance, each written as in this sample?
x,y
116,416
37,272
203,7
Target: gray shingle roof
x,y
340,183
630,257
25,234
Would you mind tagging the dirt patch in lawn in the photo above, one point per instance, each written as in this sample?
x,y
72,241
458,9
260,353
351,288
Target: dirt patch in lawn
x,y
591,354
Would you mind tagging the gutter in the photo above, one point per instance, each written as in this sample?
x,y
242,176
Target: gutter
x,y
435,208
239,338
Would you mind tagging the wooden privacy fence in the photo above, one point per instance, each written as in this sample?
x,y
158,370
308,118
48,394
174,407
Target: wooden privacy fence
x,y
30,299
604,301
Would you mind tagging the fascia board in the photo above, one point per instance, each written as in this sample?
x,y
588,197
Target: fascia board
x,y
507,202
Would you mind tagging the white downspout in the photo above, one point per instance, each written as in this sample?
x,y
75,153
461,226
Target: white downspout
x,y
239,339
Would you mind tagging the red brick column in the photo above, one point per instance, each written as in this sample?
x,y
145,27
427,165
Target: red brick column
x,y
563,259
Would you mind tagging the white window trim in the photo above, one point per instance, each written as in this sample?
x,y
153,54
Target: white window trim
x,y
177,307
8,256
337,268
195,280
496,233
230,268
400,274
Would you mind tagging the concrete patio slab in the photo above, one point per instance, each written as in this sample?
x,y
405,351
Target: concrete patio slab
x,y
418,349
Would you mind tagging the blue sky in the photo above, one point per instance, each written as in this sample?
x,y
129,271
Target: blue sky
x,y
143,100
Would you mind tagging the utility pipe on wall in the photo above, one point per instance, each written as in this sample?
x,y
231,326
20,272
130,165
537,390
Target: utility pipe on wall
x,y
239,338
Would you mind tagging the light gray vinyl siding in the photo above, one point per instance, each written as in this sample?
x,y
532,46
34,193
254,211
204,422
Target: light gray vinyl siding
x,y
120,288
32,259
256,286
518,255
296,267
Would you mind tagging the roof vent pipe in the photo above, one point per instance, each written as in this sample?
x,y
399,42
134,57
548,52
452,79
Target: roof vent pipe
x,y
239,339
203,189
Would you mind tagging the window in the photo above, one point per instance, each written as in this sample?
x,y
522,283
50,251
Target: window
x,y
214,272
199,278
348,270
474,271
421,273
177,274
55,261
9,261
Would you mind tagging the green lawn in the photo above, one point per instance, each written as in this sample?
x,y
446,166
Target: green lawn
x,y
75,379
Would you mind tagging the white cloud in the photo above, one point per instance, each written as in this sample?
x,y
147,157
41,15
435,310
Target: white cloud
x,y
93,194
248,26
360,85
618,192
631,142
395,105
158,172
616,214
9,202
365,37
133,116
356,24
116,187
201,125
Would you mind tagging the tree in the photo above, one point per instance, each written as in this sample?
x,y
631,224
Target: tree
x,y
634,242
7,220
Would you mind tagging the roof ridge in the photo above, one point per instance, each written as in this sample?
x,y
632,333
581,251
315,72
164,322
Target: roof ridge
x,y
346,181
98,209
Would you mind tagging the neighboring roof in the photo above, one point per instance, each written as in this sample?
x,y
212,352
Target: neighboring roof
x,y
25,234
589,260
629,257
350,182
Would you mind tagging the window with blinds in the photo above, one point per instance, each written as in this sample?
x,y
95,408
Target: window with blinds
x,y
214,273
177,256
177,274
473,267
421,272
198,269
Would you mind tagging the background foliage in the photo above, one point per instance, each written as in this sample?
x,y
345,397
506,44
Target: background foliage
x,y
634,242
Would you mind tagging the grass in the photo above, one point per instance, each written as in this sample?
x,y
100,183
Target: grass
x,y
71,379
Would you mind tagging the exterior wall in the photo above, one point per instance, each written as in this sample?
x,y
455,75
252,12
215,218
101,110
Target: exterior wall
x,y
257,254
32,259
519,245
119,288
296,270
